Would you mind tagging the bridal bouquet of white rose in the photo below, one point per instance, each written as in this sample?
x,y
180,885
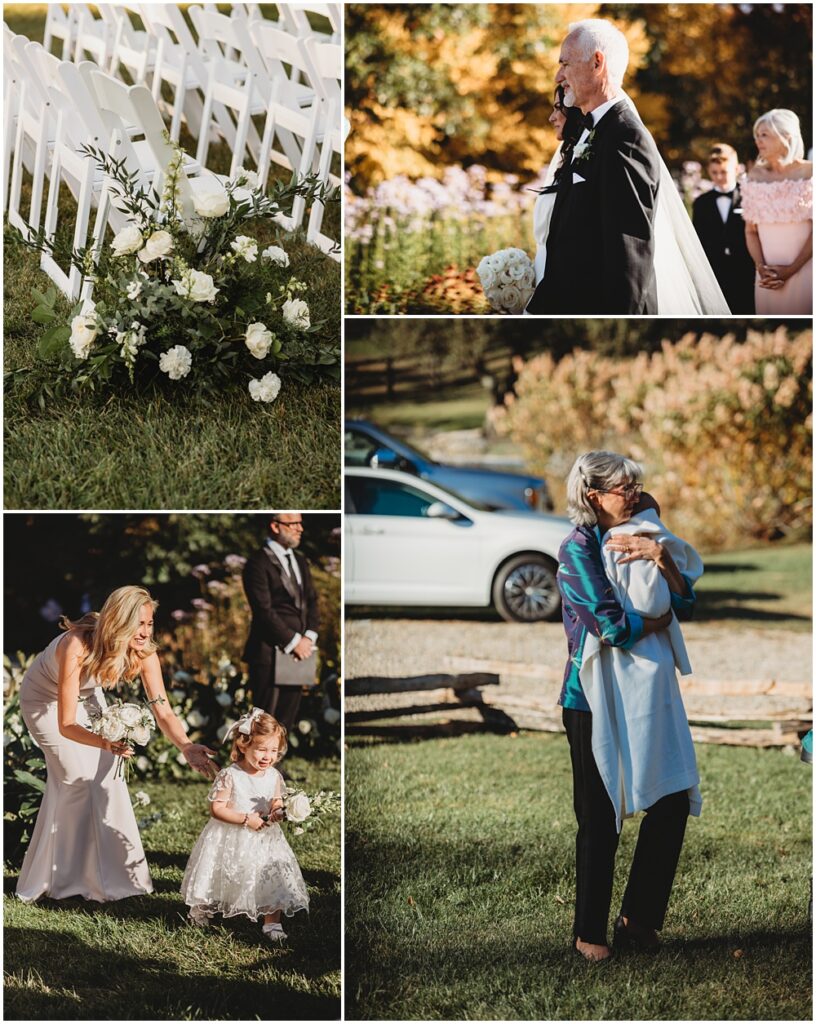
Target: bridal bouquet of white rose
x,y
508,280
189,296
119,721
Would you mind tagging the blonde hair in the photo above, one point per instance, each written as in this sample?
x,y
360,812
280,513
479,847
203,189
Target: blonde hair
x,y
596,470
785,125
261,725
107,635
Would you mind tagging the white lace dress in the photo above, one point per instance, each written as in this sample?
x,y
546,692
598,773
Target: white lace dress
x,y
233,870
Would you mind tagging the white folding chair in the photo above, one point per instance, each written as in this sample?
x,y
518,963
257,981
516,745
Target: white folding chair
x,y
180,66
60,24
94,36
12,86
239,84
327,63
133,49
296,17
331,147
34,137
280,50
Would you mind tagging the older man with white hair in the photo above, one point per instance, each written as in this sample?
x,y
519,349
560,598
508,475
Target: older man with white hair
x,y
600,247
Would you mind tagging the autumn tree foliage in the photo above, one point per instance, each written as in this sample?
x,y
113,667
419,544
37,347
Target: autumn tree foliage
x,y
723,428
429,85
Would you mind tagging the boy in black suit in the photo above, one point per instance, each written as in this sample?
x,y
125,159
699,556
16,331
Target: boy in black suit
x,y
717,218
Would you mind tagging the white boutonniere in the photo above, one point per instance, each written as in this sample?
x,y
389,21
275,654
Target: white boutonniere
x,y
583,149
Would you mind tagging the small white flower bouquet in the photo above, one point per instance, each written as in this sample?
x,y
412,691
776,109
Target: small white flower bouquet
x,y
121,721
184,292
304,812
508,280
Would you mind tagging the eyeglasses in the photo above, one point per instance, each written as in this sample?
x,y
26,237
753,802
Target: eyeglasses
x,y
298,524
627,491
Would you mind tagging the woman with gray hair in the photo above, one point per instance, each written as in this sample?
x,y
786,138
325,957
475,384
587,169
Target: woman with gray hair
x,y
604,490
777,207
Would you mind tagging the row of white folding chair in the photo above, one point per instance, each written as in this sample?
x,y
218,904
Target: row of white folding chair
x,y
331,147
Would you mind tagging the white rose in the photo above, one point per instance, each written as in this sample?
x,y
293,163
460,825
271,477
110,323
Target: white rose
x,y
111,729
159,244
211,204
83,332
162,758
130,715
127,241
196,720
245,247
296,313
176,362
276,255
142,763
140,735
511,298
196,285
258,339
298,807
266,389
140,798
486,272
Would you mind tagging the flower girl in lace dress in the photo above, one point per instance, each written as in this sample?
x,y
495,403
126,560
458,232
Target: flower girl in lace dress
x,y
242,863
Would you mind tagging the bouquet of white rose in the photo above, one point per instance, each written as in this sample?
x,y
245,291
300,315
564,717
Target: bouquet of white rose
x,y
508,279
132,723
303,812
189,296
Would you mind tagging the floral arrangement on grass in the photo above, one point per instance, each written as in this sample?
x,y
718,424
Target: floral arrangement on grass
x,y
189,297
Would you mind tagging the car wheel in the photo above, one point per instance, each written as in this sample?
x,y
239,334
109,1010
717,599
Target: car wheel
x,y
525,589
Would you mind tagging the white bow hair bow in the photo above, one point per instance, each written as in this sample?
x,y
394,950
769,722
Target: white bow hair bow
x,y
244,723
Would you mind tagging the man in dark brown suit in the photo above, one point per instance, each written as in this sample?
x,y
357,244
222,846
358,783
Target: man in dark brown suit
x,y
285,618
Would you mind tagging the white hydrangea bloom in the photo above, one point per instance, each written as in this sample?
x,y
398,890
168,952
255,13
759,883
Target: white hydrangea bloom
x,y
176,362
266,389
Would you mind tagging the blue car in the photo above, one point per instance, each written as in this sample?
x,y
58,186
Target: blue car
x,y
369,445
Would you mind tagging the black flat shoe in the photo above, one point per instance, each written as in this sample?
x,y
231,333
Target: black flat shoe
x,y
625,938
590,959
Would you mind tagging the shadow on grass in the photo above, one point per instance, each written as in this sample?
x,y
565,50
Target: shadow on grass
x,y
415,731
127,984
418,612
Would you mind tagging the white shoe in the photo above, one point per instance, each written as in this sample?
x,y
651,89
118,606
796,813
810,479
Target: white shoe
x,y
274,932
199,918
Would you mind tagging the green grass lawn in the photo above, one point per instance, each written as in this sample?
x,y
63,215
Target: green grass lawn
x,y
459,889
137,958
768,587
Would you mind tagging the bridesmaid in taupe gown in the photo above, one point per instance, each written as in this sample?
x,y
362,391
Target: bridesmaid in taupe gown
x,y
86,841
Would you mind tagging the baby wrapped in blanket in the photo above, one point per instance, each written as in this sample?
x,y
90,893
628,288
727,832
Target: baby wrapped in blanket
x,y
640,734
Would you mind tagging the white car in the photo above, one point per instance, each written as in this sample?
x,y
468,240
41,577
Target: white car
x,y
410,542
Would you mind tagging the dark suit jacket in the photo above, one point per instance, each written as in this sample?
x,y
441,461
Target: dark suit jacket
x,y
600,247
724,244
276,613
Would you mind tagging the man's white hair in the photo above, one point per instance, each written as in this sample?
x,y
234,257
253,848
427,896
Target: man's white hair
x,y
595,34
785,125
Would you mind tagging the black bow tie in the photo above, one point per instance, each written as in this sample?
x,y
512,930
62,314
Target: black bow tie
x,y
728,194
588,122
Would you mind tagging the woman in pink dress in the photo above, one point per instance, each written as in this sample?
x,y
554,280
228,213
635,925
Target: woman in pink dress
x,y
777,207
86,841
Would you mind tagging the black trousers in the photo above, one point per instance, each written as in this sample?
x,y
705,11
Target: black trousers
x,y
656,855
282,702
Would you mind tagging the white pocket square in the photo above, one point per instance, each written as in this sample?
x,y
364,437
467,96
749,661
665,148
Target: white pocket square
x,y
576,177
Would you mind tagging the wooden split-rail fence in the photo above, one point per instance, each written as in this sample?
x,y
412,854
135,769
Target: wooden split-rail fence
x,y
754,713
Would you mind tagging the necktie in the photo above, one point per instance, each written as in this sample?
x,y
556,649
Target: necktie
x,y
292,571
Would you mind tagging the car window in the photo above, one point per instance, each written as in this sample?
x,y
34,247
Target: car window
x,y
358,448
372,497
